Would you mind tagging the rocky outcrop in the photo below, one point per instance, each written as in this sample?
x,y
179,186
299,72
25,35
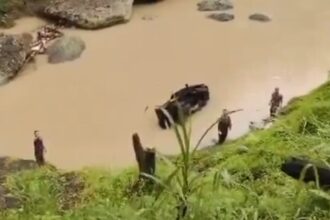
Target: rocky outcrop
x,y
222,17
9,166
214,5
65,49
13,51
70,185
259,17
89,14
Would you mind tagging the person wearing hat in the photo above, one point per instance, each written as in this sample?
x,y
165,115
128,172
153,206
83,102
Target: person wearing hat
x,y
275,102
224,125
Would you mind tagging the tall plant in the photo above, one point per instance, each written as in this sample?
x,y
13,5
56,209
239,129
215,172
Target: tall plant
x,y
182,181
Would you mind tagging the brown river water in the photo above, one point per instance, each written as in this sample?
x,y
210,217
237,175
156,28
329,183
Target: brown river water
x,y
88,109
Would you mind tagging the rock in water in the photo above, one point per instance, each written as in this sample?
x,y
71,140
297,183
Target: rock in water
x,y
65,49
13,51
89,14
148,18
259,17
214,5
222,17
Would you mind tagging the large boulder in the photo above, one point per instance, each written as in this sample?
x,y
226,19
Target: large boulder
x,y
214,5
67,48
89,14
13,51
221,17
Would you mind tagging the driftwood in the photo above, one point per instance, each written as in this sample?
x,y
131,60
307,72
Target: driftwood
x,y
36,46
295,166
146,159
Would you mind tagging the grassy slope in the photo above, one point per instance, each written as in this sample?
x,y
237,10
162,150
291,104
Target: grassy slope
x,y
233,182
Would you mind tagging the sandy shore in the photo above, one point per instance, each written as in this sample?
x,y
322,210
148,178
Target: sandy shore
x,y
87,110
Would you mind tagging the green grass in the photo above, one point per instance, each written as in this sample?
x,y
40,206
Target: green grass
x,y
240,180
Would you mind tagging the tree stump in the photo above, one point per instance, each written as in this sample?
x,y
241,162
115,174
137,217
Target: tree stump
x,y
146,159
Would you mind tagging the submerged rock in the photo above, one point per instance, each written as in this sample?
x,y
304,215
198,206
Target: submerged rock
x,y
148,18
89,14
222,17
214,5
254,126
264,124
65,49
13,51
259,17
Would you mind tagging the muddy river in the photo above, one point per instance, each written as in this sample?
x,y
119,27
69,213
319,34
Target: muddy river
x,y
88,109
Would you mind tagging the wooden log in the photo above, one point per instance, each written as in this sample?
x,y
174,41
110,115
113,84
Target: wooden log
x,y
149,161
138,149
146,158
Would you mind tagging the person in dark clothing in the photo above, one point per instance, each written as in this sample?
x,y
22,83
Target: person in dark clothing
x,y
39,149
224,125
275,102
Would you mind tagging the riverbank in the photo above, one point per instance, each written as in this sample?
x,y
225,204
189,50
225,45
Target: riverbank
x,y
87,110
242,179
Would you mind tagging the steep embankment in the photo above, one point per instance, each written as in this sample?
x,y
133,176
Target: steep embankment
x,y
241,180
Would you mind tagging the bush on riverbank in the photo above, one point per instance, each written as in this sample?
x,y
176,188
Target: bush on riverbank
x,y
241,180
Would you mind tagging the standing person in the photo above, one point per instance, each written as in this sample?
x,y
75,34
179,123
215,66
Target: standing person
x,y
275,102
39,149
224,125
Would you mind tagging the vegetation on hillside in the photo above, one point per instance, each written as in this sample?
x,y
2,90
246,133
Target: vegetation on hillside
x,y
239,180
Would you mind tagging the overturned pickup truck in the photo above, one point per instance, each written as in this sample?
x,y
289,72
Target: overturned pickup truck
x,y
189,99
